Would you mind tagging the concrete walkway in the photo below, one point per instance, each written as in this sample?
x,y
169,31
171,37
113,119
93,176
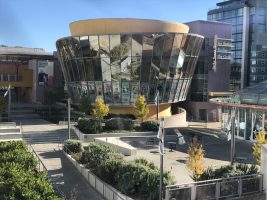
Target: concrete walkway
x,y
60,170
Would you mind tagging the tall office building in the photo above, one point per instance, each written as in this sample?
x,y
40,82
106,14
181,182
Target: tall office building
x,y
212,75
249,37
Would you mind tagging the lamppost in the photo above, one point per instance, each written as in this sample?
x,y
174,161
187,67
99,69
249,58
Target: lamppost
x,y
160,136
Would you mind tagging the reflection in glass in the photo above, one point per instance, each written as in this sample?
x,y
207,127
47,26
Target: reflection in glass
x,y
84,42
126,43
122,66
173,90
104,45
115,69
99,89
115,47
116,92
144,89
125,92
134,91
137,42
91,91
107,92
167,90
148,41
94,46
126,68
105,67
135,70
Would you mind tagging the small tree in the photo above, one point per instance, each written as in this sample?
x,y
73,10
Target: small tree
x,y
100,109
260,138
141,108
195,162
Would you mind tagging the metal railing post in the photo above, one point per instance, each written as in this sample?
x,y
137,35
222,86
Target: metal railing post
x,y
261,183
193,192
240,186
217,192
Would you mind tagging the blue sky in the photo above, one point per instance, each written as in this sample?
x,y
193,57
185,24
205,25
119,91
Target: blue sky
x,y
39,23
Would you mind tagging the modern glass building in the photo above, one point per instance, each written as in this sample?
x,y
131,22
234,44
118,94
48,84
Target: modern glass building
x,y
249,108
120,59
249,36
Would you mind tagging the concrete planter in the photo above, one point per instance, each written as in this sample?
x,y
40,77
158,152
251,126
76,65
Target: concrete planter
x,y
104,189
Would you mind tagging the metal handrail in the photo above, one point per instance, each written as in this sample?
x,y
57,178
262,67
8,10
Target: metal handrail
x,y
30,147
215,180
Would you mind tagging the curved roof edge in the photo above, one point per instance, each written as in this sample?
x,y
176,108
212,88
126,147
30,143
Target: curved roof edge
x,y
124,25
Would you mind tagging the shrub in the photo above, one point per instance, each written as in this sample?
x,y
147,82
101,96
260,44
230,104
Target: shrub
x,y
74,146
228,171
119,124
125,116
88,126
96,154
149,126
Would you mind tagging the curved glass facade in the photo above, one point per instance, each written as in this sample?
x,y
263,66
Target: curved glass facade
x,y
121,67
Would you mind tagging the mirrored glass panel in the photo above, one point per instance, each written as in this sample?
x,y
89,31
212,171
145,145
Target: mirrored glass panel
x,y
157,50
125,92
107,92
137,44
126,68
115,69
99,89
145,69
136,66
115,46
97,69
89,69
167,90
91,91
144,89
173,90
84,42
134,91
104,45
94,46
105,67
116,92
148,42
126,45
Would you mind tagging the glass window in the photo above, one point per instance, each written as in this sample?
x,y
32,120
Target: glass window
x,y
116,92
252,10
135,70
97,69
115,47
89,69
261,19
261,28
148,42
137,43
94,46
145,69
104,45
105,67
157,50
99,89
91,91
126,44
107,92
167,90
134,91
173,90
144,88
126,68
240,12
115,69
125,92
84,42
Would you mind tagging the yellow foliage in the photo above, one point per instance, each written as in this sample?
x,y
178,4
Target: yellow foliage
x,y
195,162
100,109
141,108
260,138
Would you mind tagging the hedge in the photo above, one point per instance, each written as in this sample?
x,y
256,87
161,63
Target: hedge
x,y
19,178
74,146
119,124
149,126
89,126
138,178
